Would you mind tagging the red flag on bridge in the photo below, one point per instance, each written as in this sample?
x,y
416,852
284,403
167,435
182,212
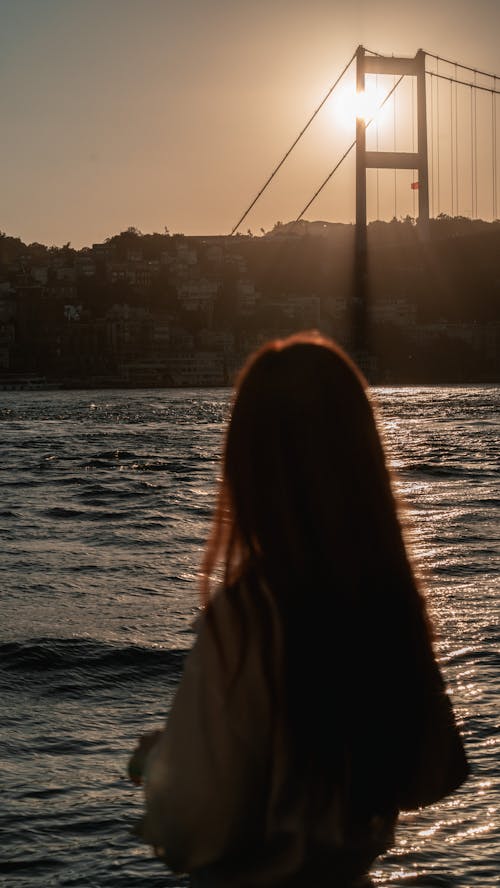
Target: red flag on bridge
x,y
414,186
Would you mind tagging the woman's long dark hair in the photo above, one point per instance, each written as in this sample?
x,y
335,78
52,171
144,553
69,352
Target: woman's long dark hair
x,y
306,510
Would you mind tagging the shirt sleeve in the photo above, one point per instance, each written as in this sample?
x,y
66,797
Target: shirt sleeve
x,y
203,776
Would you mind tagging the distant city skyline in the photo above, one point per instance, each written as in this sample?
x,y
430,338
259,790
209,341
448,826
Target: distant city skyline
x,y
157,114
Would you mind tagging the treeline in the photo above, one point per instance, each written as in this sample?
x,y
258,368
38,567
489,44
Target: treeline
x,y
454,275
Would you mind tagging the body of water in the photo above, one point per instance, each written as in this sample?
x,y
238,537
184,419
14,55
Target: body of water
x,y
105,502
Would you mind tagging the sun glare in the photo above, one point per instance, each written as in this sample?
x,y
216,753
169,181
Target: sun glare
x,y
350,104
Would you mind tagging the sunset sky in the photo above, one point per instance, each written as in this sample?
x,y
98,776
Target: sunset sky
x,y
157,113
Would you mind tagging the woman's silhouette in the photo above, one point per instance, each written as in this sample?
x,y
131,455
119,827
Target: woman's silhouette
x,y
311,710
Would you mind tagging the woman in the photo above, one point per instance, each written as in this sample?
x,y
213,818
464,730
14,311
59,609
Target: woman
x,y
311,710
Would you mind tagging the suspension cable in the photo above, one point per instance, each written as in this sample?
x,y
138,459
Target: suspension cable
x,y
287,154
433,55
465,82
347,152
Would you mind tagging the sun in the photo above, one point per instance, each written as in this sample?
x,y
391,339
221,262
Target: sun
x,y
348,105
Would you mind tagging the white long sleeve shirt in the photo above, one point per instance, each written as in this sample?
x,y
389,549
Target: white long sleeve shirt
x,y
216,781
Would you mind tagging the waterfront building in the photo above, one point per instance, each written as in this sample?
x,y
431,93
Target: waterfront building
x,y
197,368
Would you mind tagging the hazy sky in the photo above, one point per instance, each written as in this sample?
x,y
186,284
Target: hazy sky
x,y
159,113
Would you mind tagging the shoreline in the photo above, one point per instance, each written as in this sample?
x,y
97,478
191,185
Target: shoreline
x,y
30,385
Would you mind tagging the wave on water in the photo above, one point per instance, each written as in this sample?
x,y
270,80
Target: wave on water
x,y
115,455
449,470
141,462
64,514
86,663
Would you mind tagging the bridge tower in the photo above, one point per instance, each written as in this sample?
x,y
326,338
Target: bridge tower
x,y
375,64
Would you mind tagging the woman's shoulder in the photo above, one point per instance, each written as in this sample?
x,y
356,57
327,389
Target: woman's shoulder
x,y
243,616
231,664
227,627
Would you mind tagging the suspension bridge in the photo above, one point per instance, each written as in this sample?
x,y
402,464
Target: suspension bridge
x,y
433,119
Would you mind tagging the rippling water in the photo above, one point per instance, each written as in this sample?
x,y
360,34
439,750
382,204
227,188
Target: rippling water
x,y
104,509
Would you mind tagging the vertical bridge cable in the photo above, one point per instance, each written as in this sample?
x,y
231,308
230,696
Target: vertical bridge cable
x,y
472,150
414,199
452,146
459,151
377,146
394,149
431,140
457,180
292,146
494,148
475,148
438,143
